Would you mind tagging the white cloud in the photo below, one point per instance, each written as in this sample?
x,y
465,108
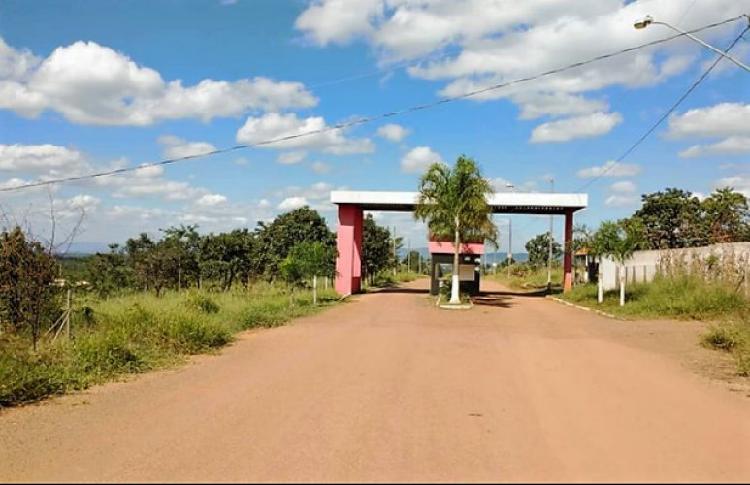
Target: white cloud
x,y
419,158
393,132
501,184
584,126
734,145
740,183
291,203
264,204
273,126
211,200
320,167
488,41
623,187
337,20
83,202
92,84
46,159
610,169
175,147
291,158
721,120
621,200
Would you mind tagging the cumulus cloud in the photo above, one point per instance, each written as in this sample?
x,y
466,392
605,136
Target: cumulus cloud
x,y
610,169
175,147
91,84
393,132
273,126
740,183
721,120
291,203
482,42
41,159
419,158
585,126
734,145
211,200
291,158
621,200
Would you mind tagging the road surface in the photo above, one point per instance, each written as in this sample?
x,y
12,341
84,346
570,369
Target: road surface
x,y
389,388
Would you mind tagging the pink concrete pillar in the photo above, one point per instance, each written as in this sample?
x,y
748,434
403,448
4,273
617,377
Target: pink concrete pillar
x,y
568,255
349,245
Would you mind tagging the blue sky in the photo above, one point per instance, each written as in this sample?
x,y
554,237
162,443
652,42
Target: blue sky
x,y
86,86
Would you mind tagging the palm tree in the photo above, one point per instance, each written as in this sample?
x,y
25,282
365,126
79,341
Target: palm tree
x,y
619,240
453,201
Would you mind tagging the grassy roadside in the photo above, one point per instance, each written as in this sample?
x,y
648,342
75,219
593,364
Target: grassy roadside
x,y
139,332
687,298
387,279
523,277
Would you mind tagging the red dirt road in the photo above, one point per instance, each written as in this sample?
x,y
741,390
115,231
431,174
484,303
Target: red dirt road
x,y
389,388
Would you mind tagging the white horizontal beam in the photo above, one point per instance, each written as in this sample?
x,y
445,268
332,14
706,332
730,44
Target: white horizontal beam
x,y
521,202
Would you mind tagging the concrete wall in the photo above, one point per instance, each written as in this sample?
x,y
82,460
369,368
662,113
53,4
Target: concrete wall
x,y
644,265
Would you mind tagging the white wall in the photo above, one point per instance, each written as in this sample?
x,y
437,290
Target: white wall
x,y
644,265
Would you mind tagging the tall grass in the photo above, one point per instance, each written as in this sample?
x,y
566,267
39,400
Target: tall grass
x,y
688,297
139,332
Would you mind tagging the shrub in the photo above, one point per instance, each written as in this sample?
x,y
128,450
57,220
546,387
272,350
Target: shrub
x,y
26,376
723,337
202,303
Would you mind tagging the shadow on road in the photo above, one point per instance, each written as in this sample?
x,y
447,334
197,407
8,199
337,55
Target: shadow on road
x,y
397,289
493,299
522,293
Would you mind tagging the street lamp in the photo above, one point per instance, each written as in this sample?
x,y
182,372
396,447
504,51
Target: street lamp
x,y
648,20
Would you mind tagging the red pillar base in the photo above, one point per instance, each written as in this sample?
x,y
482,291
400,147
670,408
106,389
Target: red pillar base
x,y
349,245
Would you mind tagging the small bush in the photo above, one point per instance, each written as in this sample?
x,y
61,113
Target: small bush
x,y
27,376
193,336
723,337
202,303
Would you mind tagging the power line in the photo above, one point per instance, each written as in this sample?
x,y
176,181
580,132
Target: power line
x,y
664,116
368,119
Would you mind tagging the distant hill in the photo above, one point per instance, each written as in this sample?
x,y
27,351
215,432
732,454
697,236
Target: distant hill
x,y
86,248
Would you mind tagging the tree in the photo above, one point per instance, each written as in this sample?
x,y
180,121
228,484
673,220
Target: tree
x,y
727,216
377,248
412,261
276,239
672,219
454,204
619,240
109,272
27,273
538,250
308,259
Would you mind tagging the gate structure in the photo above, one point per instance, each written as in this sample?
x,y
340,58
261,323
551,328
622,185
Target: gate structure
x,y
352,204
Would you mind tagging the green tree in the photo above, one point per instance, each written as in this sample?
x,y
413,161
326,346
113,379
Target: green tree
x,y
27,274
727,216
672,219
619,240
453,201
308,259
538,250
109,273
276,239
377,248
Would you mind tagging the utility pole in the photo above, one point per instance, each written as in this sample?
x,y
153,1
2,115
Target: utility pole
x,y
510,244
551,228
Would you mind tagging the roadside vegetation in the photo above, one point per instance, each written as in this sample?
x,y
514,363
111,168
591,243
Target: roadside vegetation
x,y
140,332
68,323
526,276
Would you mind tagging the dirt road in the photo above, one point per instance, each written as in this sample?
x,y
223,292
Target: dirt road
x,y
389,388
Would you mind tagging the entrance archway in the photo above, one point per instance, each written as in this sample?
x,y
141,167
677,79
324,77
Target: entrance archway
x,y
352,204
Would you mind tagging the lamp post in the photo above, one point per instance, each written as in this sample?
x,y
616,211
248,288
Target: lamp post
x,y
648,20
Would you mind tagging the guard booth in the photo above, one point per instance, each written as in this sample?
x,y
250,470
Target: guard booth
x,y
469,265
